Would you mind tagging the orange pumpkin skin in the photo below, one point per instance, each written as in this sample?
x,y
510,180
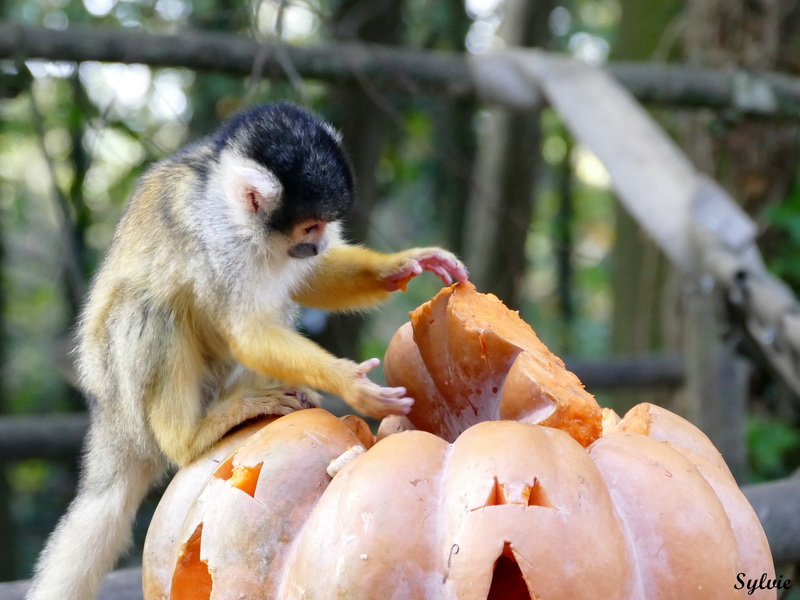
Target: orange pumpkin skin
x,y
441,507
182,491
241,505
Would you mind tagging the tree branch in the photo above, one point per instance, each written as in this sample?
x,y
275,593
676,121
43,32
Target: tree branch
x,y
768,94
336,62
777,504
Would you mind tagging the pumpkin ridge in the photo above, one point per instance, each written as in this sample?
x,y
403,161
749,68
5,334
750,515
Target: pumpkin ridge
x,y
680,483
430,314
442,531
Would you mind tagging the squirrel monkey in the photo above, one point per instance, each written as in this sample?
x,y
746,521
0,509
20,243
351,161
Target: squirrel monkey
x,y
187,332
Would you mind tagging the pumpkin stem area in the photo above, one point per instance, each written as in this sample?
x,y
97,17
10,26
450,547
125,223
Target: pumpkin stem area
x,y
507,580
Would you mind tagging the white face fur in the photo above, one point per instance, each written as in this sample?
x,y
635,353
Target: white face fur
x,y
247,188
257,263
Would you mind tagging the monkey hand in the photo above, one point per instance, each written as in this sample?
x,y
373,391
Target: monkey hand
x,y
371,399
413,262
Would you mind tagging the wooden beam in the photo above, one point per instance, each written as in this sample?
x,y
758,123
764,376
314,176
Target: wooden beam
x,y
61,436
43,436
125,584
739,92
777,505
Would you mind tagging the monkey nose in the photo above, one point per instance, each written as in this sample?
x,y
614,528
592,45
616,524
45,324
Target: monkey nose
x,y
303,250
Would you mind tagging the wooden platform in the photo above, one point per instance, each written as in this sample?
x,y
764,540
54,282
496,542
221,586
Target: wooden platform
x,y
125,584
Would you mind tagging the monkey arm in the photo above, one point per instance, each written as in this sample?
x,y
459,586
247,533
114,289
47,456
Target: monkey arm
x,y
283,354
352,277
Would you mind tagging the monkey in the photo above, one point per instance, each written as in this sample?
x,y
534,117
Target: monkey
x,y
188,327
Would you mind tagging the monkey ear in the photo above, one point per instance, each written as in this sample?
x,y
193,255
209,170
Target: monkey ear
x,y
335,133
254,190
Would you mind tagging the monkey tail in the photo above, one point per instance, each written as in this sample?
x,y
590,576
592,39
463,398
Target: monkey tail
x,y
96,528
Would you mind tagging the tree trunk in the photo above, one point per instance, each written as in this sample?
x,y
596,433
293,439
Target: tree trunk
x,y
365,124
454,141
642,313
508,159
8,549
756,162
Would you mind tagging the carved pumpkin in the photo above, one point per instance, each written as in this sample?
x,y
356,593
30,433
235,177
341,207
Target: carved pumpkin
x,y
305,507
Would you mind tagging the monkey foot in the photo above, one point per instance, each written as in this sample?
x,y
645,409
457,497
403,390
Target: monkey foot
x,y
303,398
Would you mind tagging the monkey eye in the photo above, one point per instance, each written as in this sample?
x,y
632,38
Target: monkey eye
x,y
311,228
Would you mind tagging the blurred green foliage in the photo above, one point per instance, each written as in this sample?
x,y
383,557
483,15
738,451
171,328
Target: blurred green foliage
x,y
774,448
784,220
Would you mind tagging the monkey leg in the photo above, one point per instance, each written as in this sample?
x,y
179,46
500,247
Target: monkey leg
x,y
97,526
258,387
184,437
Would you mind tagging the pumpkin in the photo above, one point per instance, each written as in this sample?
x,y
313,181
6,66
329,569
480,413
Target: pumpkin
x,y
589,506
466,358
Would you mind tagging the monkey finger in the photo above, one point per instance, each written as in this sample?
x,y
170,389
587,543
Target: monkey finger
x,y
396,393
367,366
402,407
445,265
399,280
443,274
377,401
395,400
460,272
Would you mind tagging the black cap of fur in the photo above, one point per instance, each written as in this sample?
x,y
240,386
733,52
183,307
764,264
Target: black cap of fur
x,y
302,152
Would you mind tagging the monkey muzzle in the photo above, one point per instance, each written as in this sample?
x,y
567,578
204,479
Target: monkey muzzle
x,y
308,239
304,250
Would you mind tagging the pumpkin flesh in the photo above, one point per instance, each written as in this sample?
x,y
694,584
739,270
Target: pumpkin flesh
x,y
465,358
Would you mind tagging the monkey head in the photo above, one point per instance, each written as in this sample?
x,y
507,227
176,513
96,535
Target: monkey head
x,y
285,169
